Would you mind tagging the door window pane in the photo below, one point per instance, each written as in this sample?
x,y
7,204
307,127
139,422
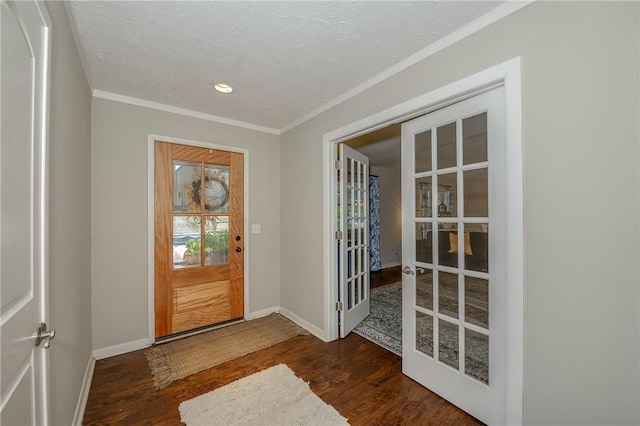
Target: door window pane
x,y
448,294
447,195
186,187
476,301
216,240
474,142
476,357
448,244
424,333
476,253
423,151
476,193
186,241
424,289
216,191
446,146
423,197
448,351
424,242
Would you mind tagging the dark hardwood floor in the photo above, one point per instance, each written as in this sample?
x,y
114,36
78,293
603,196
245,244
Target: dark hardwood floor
x,y
361,380
385,276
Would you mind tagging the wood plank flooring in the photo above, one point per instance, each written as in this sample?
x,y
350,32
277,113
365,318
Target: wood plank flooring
x,y
363,381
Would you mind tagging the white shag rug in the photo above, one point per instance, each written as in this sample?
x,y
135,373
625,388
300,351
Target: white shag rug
x,y
274,396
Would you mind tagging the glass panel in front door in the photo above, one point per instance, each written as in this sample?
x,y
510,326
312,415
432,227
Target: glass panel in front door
x,y
452,230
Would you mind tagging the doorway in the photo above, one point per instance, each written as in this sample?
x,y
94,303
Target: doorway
x,y
199,233
506,75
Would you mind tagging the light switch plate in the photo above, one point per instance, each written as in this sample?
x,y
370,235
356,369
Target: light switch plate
x,y
256,228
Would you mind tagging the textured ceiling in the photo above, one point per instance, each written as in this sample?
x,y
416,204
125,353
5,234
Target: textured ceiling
x,y
284,59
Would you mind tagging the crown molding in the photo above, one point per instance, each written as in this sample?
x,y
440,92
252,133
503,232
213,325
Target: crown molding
x,y
181,111
500,12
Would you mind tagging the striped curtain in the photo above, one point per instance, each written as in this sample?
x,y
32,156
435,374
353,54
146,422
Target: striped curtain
x,y
374,223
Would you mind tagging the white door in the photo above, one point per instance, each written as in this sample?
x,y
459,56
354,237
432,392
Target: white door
x,y
453,199
24,83
353,184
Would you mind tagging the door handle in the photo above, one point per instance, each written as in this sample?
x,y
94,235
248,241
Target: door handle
x,y
44,335
238,249
407,271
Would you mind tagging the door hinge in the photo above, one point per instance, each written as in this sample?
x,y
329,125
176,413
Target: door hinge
x,y
339,235
338,165
339,306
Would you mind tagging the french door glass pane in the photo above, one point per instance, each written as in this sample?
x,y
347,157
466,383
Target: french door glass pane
x,y
186,241
448,348
476,357
424,242
446,146
476,301
423,197
448,243
423,152
424,289
424,333
447,195
474,142
216,240
476,198
216,191
186,187
448,294
477,253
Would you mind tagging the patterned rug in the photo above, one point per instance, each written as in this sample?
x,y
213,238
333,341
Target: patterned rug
x,y
383,326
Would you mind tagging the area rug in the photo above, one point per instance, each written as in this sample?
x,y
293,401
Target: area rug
x,y
181,358
274,396
383,326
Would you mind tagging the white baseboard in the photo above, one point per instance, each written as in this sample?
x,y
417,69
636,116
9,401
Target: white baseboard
x,y
390,265
78,416
120,349
319,333
262,313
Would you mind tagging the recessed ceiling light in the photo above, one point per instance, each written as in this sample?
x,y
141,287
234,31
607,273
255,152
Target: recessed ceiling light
x,y
223,88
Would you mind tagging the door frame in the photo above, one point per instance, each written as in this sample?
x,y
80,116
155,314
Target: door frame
x,y
508,75
152,139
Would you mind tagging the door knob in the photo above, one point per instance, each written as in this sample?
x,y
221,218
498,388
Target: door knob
x,y
44,335
407,270
238,249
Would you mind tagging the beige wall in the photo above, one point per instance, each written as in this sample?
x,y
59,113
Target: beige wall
x,y
390,215
70,220
581,192
120,218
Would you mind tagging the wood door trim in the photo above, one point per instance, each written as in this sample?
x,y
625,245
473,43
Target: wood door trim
x,y
162,269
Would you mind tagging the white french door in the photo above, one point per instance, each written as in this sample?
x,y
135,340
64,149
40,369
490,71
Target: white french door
x,y
23,215
454,239
353,187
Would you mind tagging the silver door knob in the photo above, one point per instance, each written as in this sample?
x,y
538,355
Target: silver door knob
x,y
407,270
44,335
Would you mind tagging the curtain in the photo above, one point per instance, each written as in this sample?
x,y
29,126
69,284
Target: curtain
x,y
374,223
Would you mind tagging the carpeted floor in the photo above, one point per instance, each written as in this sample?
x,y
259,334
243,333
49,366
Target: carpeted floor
x,y
383,326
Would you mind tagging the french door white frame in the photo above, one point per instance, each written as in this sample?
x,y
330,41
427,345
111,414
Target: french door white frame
x,y
151,159
508,75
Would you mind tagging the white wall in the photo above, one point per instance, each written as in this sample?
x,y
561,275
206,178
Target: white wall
x,y
120,219
581,198
390,215
70,220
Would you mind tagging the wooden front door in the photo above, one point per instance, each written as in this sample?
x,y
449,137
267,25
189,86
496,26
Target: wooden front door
x,y
199,239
